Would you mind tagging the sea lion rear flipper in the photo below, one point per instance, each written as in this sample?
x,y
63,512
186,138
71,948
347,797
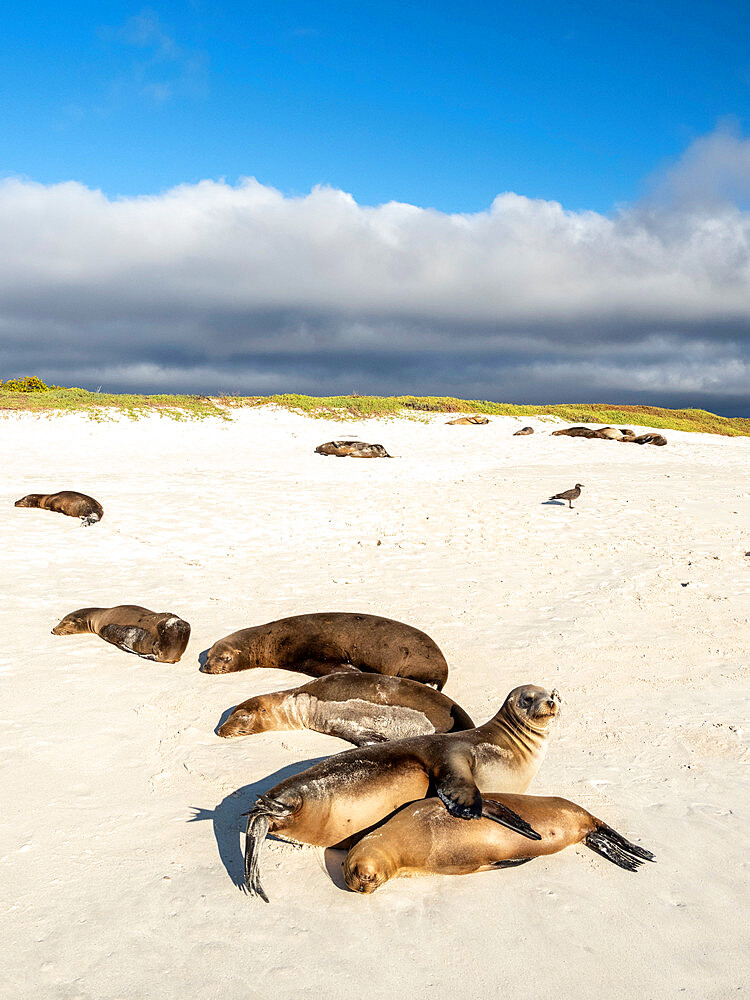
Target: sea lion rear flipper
x,y
456,788
131,638
499,813
615,848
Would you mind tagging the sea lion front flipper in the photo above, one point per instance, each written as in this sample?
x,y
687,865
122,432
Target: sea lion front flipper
x,y
499,813
131,638
511,862
455,786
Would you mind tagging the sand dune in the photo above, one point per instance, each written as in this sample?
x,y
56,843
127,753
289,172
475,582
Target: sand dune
x,y
121,845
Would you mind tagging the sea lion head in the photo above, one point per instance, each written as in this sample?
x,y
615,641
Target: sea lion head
x,y
532,707
252,716
74,623
367,867
31,500
223,657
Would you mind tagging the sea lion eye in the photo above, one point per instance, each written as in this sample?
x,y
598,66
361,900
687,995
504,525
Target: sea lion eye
x,y
526,701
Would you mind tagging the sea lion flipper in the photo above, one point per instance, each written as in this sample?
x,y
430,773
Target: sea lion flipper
x,y
615,848
353,734
499,813
257,828
511,862
456,788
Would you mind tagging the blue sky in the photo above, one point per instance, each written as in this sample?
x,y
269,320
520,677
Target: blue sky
x,y
531,201
576,102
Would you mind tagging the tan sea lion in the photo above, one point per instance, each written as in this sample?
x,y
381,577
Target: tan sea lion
x,y
523,432
424,839
67,502
658,439
352,449
154,635
469,420
610,433
360,708
584,432
346,794
329,642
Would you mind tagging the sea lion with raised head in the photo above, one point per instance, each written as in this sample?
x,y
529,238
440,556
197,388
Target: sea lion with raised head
x,y
360,708
352,449
154,635
66,502
424,839
329,642
349,793
523,432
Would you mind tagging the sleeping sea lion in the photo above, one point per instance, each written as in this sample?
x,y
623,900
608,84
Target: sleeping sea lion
x,y
329,642
469,420
154,635
360,708
424,839
523,432
349,793
352,449
67,502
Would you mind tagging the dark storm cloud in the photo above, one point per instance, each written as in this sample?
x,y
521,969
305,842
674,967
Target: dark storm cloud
x,y
211,288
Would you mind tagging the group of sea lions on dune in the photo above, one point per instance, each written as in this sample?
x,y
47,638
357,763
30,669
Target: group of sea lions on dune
x,y
424,790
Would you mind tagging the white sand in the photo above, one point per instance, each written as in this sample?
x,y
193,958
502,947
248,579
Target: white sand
x,y
113,891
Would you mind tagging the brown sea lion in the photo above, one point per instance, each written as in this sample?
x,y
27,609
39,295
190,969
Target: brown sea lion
x,y
424,839
67,502
610,433
331,641
469,420
154,635
658,439
523,432
346,794
584,432
352,449
360,708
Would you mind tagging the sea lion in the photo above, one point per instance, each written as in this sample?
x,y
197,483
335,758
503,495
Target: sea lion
x,y
154,635
524,431
610,433
469,420
658,439
569,494
349,793
360,708
67,502
585,432
328,642
424,839
352,449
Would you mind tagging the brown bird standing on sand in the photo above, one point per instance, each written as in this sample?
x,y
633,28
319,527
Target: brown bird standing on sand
x,y
569,495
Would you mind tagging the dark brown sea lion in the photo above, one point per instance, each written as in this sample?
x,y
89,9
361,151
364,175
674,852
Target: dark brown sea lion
x,y
584,432
469,420
658,439
67,502
154,635
424,839
523,432
331,641
360,708
352,449
346,794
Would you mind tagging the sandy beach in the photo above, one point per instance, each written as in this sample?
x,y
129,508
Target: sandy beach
x,y
123,836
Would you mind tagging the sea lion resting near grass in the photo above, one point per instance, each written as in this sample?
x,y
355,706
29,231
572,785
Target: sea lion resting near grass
x,y
469,420
329,642
67,502
154,635
352,449
349,793
424,839
360,708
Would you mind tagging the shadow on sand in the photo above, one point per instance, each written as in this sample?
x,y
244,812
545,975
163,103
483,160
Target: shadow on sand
x,y
229,821
553,503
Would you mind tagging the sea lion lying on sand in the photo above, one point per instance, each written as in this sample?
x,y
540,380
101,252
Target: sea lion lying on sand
x,y
329,642
344,795
424,839
523,432
67,502
352,449
360,708
469,420
154,635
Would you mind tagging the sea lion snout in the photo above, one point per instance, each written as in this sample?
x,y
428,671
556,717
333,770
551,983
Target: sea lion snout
x,y
239,723
364,875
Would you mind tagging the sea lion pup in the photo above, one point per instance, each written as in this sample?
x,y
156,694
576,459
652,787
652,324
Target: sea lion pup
x,y
424,839
154,635
329,642
469,420
352,449
349,793
523,432
360,708
67,502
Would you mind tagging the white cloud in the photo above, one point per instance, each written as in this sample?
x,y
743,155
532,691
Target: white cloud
x,y
242,275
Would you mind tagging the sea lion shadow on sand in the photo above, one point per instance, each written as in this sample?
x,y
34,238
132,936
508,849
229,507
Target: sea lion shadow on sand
x,y
203,659
333,860
229,821
224,716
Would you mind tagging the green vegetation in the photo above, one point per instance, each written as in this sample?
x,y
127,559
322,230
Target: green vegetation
x,y
30,394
